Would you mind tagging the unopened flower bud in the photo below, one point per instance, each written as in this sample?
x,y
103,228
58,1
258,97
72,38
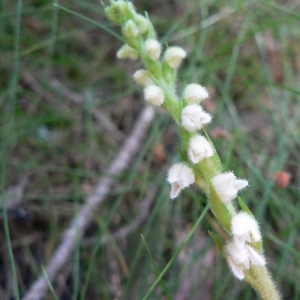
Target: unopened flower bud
x,y
142,77
199,149
127,52
174,56
142,23
119,10
195,93
130,30
152,49
154,95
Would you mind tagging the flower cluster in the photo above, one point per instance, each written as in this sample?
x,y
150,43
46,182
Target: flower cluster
x,y
201,163
240,253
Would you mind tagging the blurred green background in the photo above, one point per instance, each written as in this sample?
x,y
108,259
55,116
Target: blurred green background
x,y
66,106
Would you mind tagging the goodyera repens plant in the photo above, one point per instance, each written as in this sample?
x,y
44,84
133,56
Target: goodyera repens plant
x,y
201,164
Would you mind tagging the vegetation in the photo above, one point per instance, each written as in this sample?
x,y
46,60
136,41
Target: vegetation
x,y
67,105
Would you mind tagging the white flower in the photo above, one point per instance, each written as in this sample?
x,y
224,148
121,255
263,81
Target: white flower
x,y
240,259
154,95
244,228
180,176
130,30
174,56
199,149
194,117
127,52
142,77
195,93
152,49
227,186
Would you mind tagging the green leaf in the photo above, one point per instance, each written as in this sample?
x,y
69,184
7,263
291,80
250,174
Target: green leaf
x,y
244,207
217,240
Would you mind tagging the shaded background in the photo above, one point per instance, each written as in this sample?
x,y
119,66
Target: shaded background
x,y
66,106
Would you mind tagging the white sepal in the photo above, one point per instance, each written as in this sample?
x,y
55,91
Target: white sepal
x,y
195,93
154,95
180,176
199,148
227,186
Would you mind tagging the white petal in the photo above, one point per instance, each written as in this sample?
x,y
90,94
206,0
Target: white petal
x,y
240,184
175,190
